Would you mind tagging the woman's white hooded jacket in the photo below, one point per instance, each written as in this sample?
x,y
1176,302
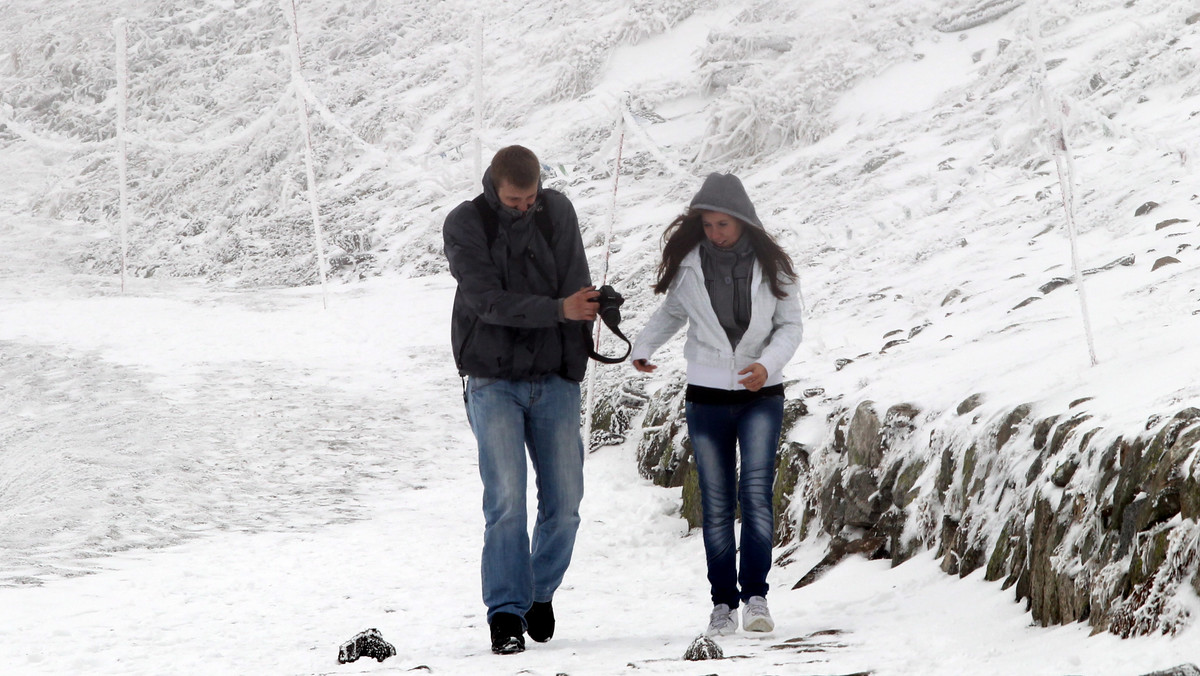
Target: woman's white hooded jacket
x,y
771,339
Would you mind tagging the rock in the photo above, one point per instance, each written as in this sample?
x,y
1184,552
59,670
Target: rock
x,y
1124,261
691,508
862,437
368,643
1053,284
1011,422
863,501
970,404
904,490
1025,302
840,548
954,294
663,448
1165,260
1195,18
1183,669
1145,208
1062,475
1169,222
703,648
791,462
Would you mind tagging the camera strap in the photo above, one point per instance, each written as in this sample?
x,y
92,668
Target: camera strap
x,y
610,314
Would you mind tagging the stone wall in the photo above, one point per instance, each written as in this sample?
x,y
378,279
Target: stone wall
x,y
1082,522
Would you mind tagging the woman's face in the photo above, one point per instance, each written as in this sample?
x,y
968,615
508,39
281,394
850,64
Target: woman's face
x,y
721,229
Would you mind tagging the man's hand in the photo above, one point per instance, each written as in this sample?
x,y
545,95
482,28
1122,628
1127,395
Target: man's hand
x,y
644,366
581,305
756,379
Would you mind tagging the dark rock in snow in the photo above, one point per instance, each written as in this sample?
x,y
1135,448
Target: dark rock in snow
x,y
1165,260
1145,208
970,404
1169,222
368,643
1053,284
1025,302
703,648
954,293
862,438
1124,261
1192,19
1062,475
1183,669
862,496
840,548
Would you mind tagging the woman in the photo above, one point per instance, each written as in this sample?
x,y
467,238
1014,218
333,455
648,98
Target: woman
x,y
735,288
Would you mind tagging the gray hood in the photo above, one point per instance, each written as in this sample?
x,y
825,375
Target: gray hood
x,y
724,193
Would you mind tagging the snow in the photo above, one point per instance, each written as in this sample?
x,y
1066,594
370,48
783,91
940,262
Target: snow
x,y
211,479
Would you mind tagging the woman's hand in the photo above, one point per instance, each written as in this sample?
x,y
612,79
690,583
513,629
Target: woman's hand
x,y
756,379
643,365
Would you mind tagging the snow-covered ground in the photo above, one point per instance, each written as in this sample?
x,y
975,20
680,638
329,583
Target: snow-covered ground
x,y
202,481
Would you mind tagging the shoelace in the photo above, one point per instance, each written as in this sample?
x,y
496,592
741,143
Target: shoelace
x,y
720,617
757,610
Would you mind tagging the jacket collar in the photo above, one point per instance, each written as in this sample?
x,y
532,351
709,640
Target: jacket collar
x,y
691,261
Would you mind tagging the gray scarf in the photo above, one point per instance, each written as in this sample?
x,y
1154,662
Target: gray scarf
x,y
727,276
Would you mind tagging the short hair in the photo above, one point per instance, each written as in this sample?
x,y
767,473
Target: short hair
x,y
517,166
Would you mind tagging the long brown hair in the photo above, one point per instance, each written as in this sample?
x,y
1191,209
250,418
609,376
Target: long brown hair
x,y
687,230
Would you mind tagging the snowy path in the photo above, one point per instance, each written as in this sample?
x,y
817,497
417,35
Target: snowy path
x,y
197,481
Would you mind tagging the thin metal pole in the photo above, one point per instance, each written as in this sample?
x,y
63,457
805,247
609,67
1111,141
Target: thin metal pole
x,y
119,31
289,11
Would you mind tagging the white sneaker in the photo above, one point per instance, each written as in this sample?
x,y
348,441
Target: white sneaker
x,y
722,622
756,616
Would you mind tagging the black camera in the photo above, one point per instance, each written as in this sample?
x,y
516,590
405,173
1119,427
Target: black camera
x,y
609,300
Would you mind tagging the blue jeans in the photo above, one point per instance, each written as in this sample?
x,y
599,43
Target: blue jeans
x,y
509,417
715,430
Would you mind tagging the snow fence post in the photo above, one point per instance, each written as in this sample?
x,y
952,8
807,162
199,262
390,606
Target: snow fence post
x,y
298,86
612,219
1055,109
119,32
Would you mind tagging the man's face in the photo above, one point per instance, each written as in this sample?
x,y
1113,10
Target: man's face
x,y
521,199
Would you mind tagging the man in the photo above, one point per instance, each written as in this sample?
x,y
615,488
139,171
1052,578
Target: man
x,y
520,325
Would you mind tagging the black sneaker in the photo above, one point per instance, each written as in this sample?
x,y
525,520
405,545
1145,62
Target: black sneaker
x,y
508,634
540,620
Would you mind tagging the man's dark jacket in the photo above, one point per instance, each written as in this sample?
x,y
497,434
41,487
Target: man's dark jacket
x,y
507,320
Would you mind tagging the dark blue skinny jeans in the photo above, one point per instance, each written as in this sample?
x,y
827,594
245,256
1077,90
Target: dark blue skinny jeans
x,y
718,432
